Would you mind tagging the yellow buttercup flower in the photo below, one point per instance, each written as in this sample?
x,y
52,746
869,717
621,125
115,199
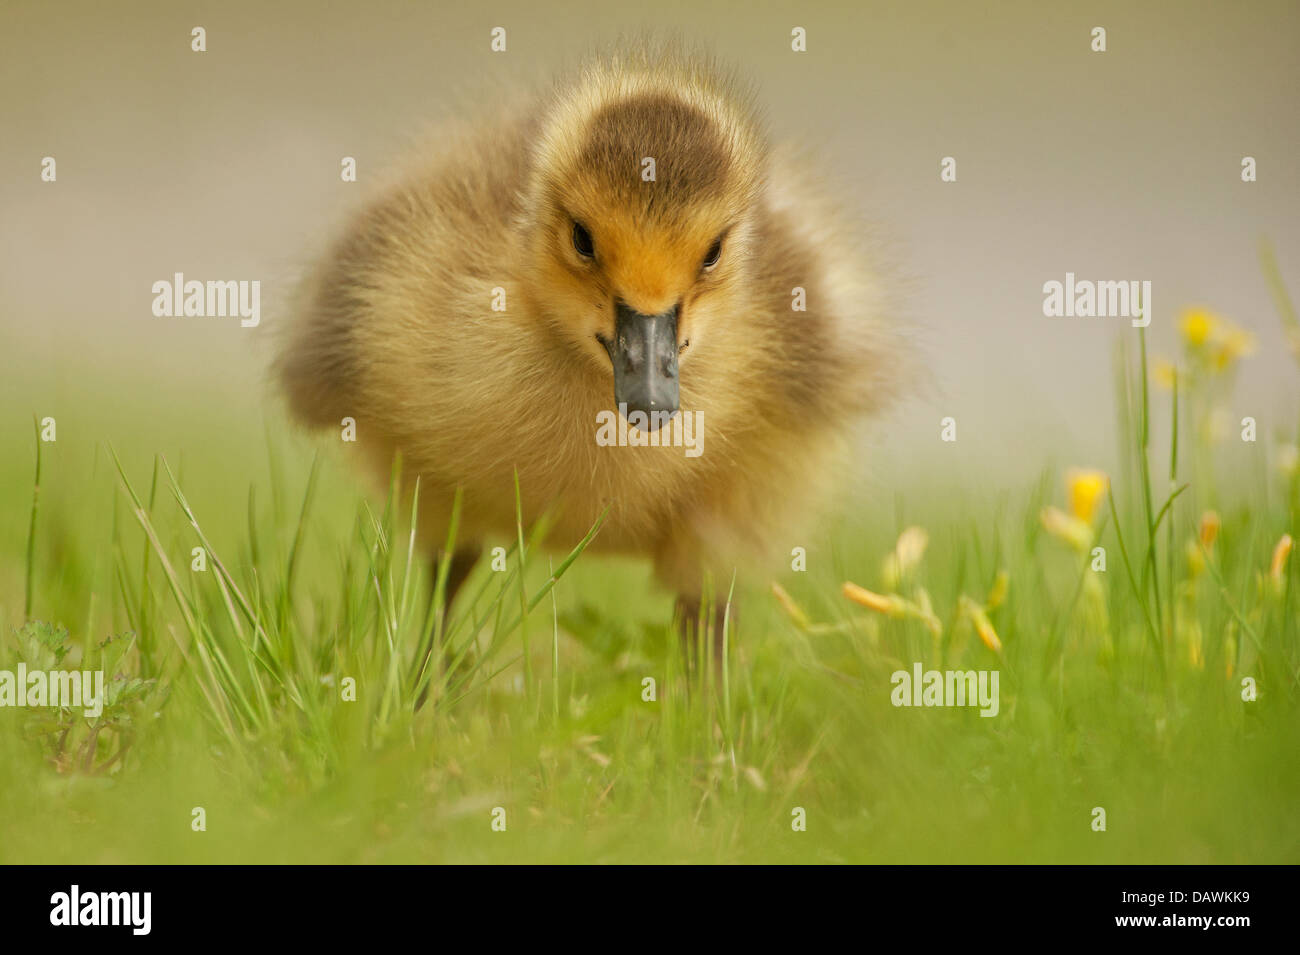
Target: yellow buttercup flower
x,y
1085,490
1219,341
1197,326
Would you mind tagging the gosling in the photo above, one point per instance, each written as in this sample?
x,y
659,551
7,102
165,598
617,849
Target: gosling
x,y
625,248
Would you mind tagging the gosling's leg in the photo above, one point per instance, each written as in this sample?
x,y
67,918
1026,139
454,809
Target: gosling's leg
x,y
458,571
678,568
462,562
694,629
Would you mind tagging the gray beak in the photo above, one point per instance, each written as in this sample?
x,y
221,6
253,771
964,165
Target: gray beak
x,y
644,353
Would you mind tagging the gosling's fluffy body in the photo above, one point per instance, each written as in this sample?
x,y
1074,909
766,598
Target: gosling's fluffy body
x,y
397,330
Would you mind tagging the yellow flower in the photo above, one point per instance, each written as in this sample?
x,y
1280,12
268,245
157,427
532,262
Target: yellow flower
x,y
1218,340
1197,550
1072,530
890,605
1281,552
1086,489
1163,372
1209,530
1196,647
923,611
1001,584
906,556
1231,344
1198,325
792,609
983,626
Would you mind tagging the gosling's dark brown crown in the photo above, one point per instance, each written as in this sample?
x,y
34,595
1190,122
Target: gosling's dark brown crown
x,y
685,144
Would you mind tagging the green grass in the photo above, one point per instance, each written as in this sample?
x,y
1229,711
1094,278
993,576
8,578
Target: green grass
x,y
1119,689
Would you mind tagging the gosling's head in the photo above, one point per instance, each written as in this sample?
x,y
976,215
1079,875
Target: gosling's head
x,y
640,222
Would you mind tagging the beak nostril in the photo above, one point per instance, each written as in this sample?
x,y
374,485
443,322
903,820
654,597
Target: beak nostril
x,y
645,361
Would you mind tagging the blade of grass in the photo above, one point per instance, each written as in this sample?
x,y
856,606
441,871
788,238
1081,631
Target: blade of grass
x,y
523,590
431,641
555,651
1150,571
31,527
1171,565
295,548
1156,645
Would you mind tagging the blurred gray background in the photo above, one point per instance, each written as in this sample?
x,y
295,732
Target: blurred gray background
x,y
1122,165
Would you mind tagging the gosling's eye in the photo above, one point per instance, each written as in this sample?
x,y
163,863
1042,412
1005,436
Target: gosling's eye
x,y
582,241
715,252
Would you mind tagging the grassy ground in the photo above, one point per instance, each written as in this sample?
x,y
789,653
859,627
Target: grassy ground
x,y
1120,689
